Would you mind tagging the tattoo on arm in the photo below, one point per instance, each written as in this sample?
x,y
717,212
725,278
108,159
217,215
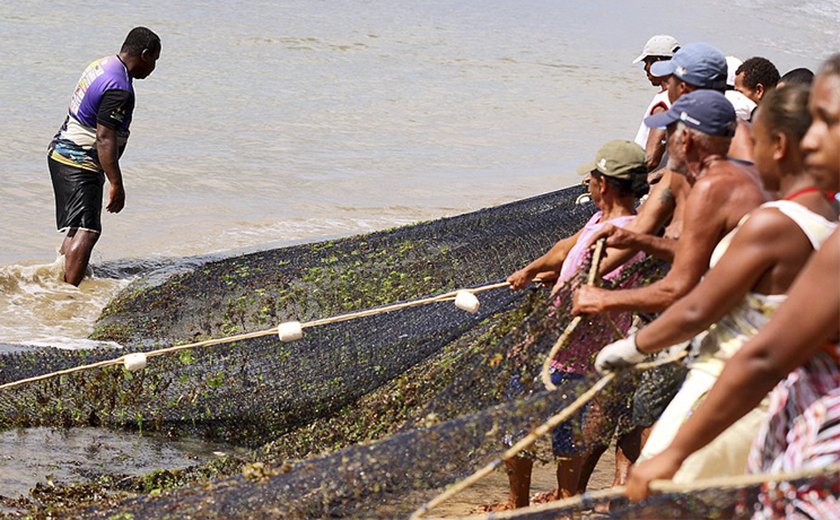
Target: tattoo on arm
x,y
666,198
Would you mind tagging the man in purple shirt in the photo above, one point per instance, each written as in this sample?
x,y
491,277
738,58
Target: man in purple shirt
x,y
88,146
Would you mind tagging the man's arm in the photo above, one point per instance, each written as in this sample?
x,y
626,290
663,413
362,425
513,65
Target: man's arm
x,y
800,326
653,214
703,229
114,108
621,240
751,253
107,150
655,145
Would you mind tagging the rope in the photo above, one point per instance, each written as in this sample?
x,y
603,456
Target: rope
x,y
529,439
570,328
667,486
258,334
398,306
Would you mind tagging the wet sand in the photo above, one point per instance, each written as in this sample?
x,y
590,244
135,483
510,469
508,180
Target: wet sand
x,y
494,488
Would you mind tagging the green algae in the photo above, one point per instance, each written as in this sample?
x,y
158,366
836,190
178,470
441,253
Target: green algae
x,y
259,290
386,409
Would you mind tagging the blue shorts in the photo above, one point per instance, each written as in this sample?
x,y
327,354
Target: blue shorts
x,y
567,437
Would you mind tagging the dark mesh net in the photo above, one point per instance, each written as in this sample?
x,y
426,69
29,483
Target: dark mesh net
x,y
365,418
211,391
773,499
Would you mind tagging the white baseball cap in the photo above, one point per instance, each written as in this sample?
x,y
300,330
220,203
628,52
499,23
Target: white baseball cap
x,y
732,64
743,105
659,45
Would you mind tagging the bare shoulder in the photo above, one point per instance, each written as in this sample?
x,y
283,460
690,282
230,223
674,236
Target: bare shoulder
x,y
768,225
728,178
679,185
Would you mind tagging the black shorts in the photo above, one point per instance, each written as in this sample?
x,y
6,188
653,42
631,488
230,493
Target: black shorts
x,y
654,391
78,197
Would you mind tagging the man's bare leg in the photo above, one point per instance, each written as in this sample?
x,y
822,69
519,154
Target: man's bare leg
x,y
519,479
568,475
589,465
627,450
77,248
65,244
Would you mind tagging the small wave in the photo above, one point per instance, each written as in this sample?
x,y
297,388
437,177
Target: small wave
x,y
39,308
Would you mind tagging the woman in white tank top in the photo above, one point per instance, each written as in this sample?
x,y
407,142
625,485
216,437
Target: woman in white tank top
x,y
752,269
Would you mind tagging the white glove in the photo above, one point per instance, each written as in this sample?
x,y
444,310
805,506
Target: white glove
x,y
620,354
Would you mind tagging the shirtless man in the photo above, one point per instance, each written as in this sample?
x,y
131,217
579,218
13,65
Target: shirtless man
x,y
700,126
694,67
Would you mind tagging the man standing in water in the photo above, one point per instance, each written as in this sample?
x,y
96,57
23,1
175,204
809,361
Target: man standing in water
x,y
88,146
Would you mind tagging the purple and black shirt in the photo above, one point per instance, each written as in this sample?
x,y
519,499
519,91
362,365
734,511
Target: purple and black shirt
x,y
104,95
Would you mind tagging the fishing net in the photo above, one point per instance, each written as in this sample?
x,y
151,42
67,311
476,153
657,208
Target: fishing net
x,y
494,394
722,498
211,392
365,418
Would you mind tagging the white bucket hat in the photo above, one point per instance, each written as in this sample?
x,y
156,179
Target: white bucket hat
x,y
659,45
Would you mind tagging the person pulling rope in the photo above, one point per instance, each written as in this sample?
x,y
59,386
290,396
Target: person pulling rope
x,y
661,486
532,437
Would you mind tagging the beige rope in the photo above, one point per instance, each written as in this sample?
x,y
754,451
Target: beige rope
x,y
399,306
514,450
529,439
664,486
152,353
251,335
593,273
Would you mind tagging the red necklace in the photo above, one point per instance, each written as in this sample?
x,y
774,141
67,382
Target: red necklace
x,y
803,191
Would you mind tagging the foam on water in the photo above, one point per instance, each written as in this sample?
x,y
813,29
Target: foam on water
x,y
38,308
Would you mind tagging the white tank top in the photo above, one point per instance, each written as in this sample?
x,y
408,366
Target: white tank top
x,y
816,227
660,99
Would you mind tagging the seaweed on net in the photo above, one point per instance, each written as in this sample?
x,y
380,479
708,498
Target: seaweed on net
x,y
363,480
254,391
392,476
518,357
429,385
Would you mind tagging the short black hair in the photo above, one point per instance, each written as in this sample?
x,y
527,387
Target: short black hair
x,y
140,39
759,70
800,76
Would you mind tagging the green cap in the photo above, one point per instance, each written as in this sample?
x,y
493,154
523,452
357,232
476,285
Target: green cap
x,y
618,159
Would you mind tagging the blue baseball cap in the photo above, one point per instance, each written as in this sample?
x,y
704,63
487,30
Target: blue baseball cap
x,y
698,64
705,110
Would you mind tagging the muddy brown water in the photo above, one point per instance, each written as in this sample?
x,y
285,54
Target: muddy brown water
x,y
66,456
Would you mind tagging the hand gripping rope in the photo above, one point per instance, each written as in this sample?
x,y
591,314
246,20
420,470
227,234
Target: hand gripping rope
x,y
664,486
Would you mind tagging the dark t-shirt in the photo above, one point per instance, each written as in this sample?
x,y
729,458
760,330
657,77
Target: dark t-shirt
x,y
114,108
